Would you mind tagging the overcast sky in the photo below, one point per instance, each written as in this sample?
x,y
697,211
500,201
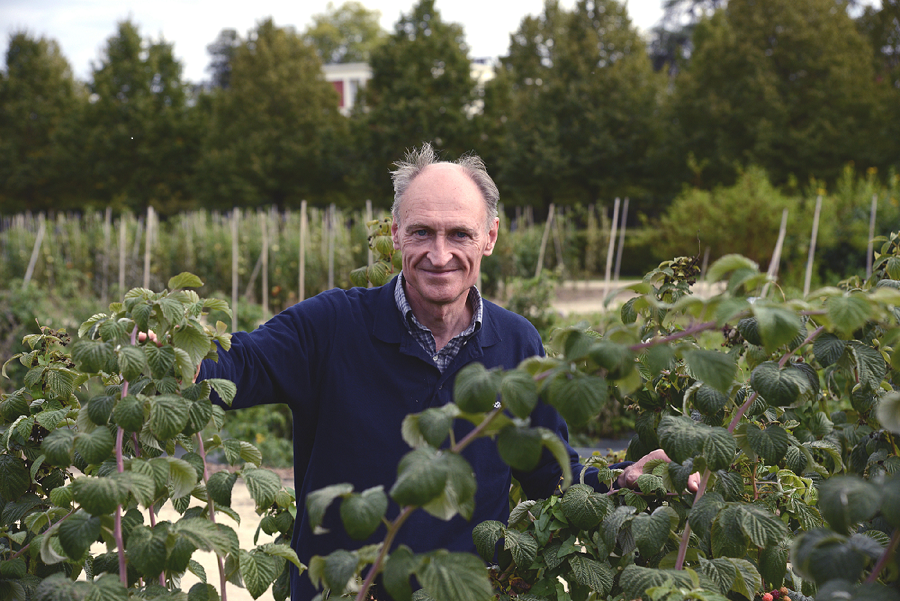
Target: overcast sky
x,y
81,27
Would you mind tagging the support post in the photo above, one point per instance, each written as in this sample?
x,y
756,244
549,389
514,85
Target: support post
x,y
621,239
612,246
812,246
870,249
301,288
32,262
235,215
148,241
547,226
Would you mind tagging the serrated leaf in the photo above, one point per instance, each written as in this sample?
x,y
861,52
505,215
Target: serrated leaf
x,y
773,562
58,447
476,388
226,389
140,313
160,359
679,437
761,527
182,477
77,533
778,386
747,580
132,362
191,338
560,452
107,587
718,448
420,478
870,365
821,555
99,408
709,401
721,571
339,567
847,500
319,500
456,576
140,485
60,381
522,546
434,425
597,576
770,444
614,522
362,513
728,264
728,539
95,446
184,368
712,367
576,396
486,535
169,415
184,280
520,448
92,356
584,507
147,551
219,487
519,393
458,494
129,413
207,536
652,531
847,313
777,325
399,567
263,485
828,348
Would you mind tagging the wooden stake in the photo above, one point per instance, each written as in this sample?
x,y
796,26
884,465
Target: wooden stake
x,y
107,230
371,258
301,288
621,239
812,246
612,246
264,256
776,255
235,215
123,234
547,226
870,249
330,219
42,229
147,244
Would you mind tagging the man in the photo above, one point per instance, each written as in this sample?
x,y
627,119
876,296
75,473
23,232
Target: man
x,y
352,364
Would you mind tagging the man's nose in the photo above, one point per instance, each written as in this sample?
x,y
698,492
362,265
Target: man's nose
x,y
439,254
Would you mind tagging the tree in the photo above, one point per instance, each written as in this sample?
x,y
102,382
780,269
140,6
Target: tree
x,y
276,130
221,52
38,98
141,139
421,90
345,34
783,85
581,113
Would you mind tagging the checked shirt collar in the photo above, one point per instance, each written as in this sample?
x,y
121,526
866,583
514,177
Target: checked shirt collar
x,y
423,335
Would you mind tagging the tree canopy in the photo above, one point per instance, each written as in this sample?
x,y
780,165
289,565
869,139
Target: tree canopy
x,y
345,34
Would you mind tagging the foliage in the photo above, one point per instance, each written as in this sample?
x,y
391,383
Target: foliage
x,y
345,34
89,445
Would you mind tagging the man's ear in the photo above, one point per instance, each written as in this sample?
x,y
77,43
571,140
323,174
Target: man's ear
x,y
492,237
395,233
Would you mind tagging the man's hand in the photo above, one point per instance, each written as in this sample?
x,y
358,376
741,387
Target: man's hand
x,y
628,477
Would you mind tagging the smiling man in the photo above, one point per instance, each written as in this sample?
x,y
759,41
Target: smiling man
x,y
352,364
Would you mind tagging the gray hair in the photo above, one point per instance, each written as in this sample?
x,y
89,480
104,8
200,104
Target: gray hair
x,y
472,165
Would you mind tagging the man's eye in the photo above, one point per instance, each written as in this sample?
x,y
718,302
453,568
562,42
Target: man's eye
x,y
420,233
462,235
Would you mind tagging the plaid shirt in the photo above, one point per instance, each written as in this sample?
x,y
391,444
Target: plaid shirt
x,y
423,335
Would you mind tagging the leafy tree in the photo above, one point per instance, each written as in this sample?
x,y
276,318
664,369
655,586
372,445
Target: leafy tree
x,y
276,130
221,51
345,34
421,90
38,97
787,86
580,114
140,138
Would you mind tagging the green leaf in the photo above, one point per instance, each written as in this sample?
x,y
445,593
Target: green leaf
x,y
263,485
362,513
728,539
419,478
107,588
596,575
140,485
712,367
821,555
747,580
523,547
486,536
721,571
132,362
95,446
777,325
199,414
184,280
207,536
140,313
727,264
709,401
847,313
870,365
182,477
319,500
519,393
652,531
577,397
399,567
679,437
435,424
616,359
458,576
770,444
749,329
763,528
718,448
847,500
191,338
58,447
584,507
520,448
99,408
60,381
773,562
458,495
160,359
560,452
340,566
476,388
237,450
282,551
77,533
828,348
92,356
219,487
226,389
169,415
147,551
129,413
778,386
184,368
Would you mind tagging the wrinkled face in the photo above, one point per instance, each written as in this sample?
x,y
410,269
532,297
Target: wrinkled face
x,y
442,234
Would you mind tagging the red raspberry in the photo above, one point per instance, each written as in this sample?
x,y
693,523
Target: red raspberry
x,y
767,597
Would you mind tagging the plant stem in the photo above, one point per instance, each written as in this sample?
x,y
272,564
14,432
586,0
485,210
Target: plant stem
x,y
689,331
212,513
812,336
120,467
885,557
25,548
407,510
686,535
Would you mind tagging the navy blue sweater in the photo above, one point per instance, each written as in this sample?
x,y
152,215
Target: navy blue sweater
x,y
350,371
